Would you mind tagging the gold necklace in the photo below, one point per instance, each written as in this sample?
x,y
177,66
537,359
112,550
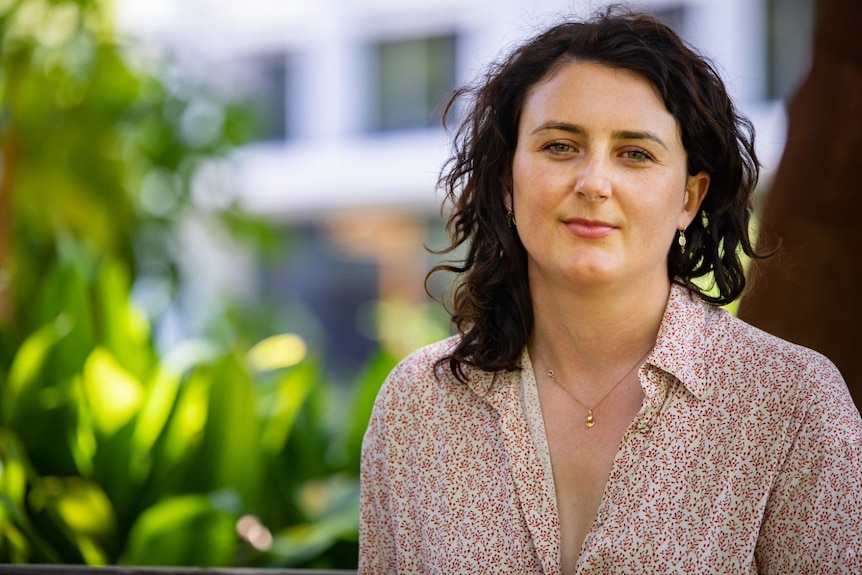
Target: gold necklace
x,y
588,420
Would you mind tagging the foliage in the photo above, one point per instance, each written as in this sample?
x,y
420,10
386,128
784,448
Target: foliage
x,y
110,454
111,451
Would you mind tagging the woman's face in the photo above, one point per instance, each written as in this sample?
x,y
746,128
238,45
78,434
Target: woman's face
x,y
600,185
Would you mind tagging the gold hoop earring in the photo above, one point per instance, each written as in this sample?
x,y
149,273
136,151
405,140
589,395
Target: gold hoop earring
x,y
510,219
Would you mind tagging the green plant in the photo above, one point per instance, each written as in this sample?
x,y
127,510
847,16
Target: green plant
x,y
111,454
110,450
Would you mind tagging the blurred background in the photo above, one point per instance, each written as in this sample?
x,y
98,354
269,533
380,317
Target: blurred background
x,y
213,220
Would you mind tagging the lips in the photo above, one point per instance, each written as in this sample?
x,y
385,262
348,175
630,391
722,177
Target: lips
x,y
590,229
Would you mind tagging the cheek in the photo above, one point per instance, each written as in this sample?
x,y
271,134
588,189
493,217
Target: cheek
x,y
524,185
536,181
533,198
518,167
668,195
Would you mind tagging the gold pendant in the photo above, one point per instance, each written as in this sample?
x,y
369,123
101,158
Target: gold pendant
x,y
589,419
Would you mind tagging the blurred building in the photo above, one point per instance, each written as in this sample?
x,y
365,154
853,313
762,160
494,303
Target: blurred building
x,y
349,96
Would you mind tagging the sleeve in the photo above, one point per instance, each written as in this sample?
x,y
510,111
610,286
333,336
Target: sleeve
x,y
376,534
813,518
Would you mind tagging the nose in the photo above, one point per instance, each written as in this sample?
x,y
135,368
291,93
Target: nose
x,y
593,180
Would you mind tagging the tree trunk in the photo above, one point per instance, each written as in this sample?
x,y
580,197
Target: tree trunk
x,y
811,292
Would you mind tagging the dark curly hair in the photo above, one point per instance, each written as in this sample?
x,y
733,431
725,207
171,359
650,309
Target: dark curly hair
x,y
491,305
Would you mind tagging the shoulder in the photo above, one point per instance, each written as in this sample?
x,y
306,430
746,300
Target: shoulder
x,y
421,405
425,374
706,346
719,338
422,367
807,384
769,356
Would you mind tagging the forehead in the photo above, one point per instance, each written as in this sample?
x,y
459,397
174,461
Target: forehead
x,y
588,92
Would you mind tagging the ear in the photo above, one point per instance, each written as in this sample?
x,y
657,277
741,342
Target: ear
x,y
695,191
508,189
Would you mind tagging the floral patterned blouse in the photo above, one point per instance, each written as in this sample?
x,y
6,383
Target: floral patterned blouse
x,y
746,457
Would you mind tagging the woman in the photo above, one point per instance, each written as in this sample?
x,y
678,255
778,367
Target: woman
x,y
597,412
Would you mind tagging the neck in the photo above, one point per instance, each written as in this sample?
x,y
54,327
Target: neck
x,y
589,332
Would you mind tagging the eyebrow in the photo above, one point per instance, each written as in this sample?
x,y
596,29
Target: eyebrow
x,y
618,134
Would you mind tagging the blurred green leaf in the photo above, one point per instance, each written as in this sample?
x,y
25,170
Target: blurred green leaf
x,y
183,531
228,456
81,504
185,428
174,410
13,479
335,506
113,394
125,331
55,516
20,539
14,547
161,392
23,378
282,405
83,443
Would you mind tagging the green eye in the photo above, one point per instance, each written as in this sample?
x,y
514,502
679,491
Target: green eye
x,y
558,147
638,155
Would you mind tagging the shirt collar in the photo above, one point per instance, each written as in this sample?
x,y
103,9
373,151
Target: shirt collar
x,y
681,344
680,348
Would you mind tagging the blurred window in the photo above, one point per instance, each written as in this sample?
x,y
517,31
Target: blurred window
x,y
411,80
789,37
268,95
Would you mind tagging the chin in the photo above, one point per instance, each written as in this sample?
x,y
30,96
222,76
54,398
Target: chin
x,y
593,275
